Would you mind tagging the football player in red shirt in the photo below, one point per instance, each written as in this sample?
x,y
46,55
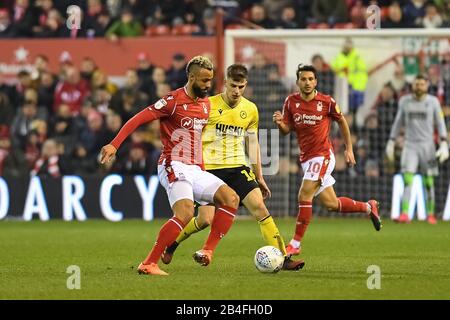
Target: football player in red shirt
x,y
183,113
309,113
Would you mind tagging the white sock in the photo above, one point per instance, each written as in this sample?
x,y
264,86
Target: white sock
x,y
295,243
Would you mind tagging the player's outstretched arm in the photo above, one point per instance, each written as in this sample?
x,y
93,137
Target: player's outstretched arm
x,y
140,118
345,131
278,119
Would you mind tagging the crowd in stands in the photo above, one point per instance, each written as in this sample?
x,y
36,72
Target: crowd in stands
x,y
55,124
130,18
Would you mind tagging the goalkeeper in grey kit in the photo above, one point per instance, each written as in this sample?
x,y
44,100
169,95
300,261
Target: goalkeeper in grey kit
x,y
419,113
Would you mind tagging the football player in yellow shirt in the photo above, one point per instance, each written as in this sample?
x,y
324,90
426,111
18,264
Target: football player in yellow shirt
x,y
229,137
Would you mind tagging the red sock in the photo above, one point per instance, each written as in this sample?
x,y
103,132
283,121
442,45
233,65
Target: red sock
x,y
303,218
167,234
223,219
347,205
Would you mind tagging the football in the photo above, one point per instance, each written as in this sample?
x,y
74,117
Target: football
x,y
269,259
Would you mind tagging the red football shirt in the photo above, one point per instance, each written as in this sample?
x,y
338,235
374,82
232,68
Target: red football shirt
x,y
311,120
182,120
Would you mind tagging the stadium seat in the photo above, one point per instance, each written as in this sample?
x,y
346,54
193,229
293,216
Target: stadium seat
x,y
159,30
184,29
318,26
234,26
346,25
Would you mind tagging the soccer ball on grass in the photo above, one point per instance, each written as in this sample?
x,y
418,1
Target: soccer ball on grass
x,y
269,259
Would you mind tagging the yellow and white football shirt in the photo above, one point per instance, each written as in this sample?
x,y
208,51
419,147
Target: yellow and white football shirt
x,y
224,135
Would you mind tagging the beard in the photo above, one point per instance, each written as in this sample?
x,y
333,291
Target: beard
x,y
199,92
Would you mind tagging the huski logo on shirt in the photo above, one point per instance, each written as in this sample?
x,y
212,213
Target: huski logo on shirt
x,y
319,106
185,106
297,105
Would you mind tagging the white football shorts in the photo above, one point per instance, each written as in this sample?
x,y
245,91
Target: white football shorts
x,y
188,181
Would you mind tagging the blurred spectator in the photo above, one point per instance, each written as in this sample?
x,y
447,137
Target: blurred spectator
x,y
158,78
46,90
33,144
6,111
436,83
94,8
94,136
17,93
399,82
113,124
21,125
140,8
432,18
259,17
303,12
40,66
330,12
129,100
276,92
100,81
176,75
274,8
144,71
42,10
325,76
258,74
62,128
287,19
65,62
395,18
22,18
101,24
208,24
385,109
71,91
162,89
140,160
50,164
102,99
5,145
125,27
52,27
145,67
445,68
87,68
372,169
6,28
414,11
350,64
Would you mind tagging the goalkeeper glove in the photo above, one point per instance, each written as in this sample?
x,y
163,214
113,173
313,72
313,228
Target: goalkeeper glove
x,y
390,148
442,153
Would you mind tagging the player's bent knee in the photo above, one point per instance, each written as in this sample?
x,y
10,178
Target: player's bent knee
x,y
204,220
226,196
232,200
259,211
332,206
183,210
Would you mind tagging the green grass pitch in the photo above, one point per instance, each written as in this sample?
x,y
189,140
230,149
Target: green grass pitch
x,y
414,261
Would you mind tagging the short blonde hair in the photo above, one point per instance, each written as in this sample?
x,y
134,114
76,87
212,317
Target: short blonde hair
x,y
199,61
